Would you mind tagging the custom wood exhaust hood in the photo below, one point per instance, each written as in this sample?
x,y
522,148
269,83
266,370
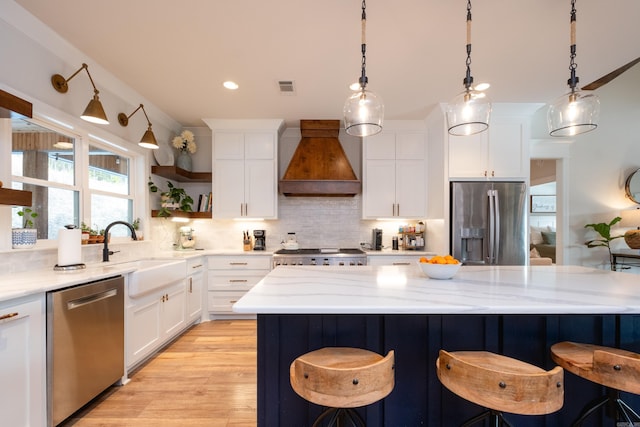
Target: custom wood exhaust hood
x,y
319,167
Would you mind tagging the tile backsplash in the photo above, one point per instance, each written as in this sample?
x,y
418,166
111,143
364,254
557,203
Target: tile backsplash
x,y
319,222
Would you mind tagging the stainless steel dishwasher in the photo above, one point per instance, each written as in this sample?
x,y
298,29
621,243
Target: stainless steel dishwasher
x,y
85,344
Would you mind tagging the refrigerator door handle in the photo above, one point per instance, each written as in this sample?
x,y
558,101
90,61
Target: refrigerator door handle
x,y
492,225
496,202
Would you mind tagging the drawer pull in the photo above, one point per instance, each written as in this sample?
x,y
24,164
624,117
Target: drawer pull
x,y
233,301
237,280
401,263
238,263
196,266
8,316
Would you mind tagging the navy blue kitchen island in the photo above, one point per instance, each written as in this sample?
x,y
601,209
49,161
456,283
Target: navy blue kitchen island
x,y
516,311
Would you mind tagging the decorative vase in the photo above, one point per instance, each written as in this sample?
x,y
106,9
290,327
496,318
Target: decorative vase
x,y
23,238
184,161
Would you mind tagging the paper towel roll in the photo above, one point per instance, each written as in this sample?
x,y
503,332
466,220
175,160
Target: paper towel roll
x,y
69,247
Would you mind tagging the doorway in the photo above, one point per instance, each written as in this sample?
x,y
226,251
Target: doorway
x,y
543,208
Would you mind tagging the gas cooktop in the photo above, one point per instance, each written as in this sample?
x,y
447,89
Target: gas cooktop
x,y
324,256
322,251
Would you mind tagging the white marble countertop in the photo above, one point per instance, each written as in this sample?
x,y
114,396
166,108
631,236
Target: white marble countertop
x,y
473,290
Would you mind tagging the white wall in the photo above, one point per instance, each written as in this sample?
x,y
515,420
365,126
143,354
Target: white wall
x,y
597,166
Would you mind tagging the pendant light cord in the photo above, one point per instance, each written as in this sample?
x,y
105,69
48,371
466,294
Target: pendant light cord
x,y
468,79
573,79
363,77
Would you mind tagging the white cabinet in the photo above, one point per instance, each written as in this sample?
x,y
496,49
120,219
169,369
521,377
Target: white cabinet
x,y
153,319
394,175
245,169
195,289
393,259
23,362
230,277
500,152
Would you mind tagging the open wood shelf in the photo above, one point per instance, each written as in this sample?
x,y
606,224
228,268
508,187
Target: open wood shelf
x,y
177,174
180,214
9,196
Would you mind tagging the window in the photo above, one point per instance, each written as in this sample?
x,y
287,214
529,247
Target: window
x,y
73,179
43,162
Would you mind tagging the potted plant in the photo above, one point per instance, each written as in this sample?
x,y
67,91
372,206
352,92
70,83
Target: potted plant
x,y
86,231
604,230
173,198
25,237
136,226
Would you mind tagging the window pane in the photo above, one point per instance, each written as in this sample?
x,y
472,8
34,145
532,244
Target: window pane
x,y
107,209
41,153
108,171
55,208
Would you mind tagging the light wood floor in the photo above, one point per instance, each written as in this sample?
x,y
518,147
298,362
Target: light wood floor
x,y
205,378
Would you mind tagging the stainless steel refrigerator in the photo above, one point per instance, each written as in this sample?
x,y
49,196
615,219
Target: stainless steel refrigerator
x,y
489,223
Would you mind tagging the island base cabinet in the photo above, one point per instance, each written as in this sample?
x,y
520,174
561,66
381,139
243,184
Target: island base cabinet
x,y
418,398
153,320
22,362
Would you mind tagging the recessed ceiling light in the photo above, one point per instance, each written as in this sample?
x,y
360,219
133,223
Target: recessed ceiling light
x,y
482,86
63,145
230,85
354,86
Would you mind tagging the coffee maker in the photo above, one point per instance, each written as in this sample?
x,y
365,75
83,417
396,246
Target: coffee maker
x,y
260,240
376,239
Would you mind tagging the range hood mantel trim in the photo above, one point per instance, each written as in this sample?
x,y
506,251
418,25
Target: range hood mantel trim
x,y
319,167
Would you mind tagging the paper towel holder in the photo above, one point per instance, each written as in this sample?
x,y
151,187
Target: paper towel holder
x,y
71,267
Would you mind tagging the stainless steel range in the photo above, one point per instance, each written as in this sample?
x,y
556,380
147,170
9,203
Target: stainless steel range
x,y
319,257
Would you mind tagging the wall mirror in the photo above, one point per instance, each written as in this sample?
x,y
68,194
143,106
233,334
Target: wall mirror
x,y
632,186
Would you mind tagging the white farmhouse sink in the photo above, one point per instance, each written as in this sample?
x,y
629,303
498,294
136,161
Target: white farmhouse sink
x,y
151,274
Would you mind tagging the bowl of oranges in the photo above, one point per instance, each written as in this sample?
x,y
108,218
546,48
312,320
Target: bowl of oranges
x,y
439,267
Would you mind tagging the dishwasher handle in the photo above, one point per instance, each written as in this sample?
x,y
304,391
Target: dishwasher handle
x,y
90,299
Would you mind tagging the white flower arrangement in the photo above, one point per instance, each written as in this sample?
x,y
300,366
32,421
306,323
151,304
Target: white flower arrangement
x,y
185,142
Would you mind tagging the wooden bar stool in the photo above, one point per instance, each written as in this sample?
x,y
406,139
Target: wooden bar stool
x,y
500,384
617,370
342,378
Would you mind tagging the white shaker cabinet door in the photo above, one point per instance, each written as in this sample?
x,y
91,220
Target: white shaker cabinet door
x,y
228,189
22,363
380,193
260,189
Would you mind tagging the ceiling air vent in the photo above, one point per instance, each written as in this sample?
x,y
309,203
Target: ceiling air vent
x,y
286,87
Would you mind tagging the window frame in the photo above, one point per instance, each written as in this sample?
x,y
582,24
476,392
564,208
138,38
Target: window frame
x,y
83,140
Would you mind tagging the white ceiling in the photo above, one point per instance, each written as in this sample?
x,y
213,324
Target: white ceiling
x,y
176,54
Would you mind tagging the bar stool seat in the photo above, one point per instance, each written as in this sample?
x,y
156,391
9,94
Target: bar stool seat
x,y
342,378
500,384
615,369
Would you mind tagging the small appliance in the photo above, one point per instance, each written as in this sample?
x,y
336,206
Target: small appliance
x,y
376,240
187,240
260,242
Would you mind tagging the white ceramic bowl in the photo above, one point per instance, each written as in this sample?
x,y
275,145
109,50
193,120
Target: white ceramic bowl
x,y
439,271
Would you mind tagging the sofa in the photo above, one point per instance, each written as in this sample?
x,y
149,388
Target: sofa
x,y
542,244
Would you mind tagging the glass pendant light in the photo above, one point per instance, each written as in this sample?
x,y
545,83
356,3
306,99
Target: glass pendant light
x,y
363,111
574,112
469,112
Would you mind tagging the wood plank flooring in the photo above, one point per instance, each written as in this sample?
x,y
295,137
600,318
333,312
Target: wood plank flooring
x,y
207,377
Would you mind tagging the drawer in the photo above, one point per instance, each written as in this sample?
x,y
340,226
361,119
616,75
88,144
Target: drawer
x,y
195,264
234,280
222,302
393,260
239,262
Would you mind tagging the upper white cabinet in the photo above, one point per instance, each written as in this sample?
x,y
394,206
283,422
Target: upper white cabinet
x,y
245,170
395,174
500,152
